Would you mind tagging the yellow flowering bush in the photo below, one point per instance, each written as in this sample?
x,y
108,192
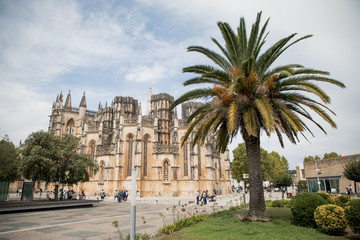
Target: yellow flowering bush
x,y
352,212
341,201
328,197
330,219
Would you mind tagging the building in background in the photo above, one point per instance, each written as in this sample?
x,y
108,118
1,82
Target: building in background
x,y
329,173
119,137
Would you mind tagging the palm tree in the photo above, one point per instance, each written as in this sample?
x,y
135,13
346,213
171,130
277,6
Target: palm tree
x,y
247,96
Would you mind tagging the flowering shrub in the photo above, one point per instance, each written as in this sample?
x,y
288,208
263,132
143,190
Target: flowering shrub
x,y
352,213
342,200
328,197
330,218
303,206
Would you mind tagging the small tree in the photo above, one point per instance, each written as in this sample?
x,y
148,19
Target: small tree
x,y
54,159
302,186
352,171
282,181
9,160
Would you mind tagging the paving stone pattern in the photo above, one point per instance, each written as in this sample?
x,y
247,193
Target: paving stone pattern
x,y
96,222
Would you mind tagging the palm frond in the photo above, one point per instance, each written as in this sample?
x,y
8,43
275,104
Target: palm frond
x,y
264,107
202,93
215,57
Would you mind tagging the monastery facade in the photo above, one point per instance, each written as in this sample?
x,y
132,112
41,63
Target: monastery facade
x,y
119,138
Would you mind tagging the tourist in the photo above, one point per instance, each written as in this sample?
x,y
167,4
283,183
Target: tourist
x,y
102,194
350,190
204,197
197,197
116,194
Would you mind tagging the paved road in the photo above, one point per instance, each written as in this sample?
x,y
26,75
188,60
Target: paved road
x,y
96,222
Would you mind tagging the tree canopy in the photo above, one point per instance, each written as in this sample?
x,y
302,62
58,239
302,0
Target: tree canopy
x,y
249,96
352,170
272,164
51,158
9,160
317,158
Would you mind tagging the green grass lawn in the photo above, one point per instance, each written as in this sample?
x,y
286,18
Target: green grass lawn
x,y
227,226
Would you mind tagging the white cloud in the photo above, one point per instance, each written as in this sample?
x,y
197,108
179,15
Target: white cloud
x,y
48,46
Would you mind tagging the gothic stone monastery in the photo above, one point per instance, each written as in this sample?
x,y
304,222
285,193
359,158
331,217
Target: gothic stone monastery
x,y
119,137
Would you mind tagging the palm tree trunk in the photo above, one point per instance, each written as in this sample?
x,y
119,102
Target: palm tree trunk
x,y
257,211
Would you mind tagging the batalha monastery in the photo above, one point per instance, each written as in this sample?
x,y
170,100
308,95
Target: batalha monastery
x,y
119,138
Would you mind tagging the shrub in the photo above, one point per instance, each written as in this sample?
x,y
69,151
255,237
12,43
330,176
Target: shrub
x,y
281,203
342,200
328,197
268,203
168,229
330,219
352,213
303,206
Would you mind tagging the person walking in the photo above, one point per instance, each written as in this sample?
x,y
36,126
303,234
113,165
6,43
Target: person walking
x,y
204,197
102,195
116,195
197,197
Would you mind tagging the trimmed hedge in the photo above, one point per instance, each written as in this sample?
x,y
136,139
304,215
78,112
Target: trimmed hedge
x,y
328,197
352,213
303,206
330,219
342,200
281,203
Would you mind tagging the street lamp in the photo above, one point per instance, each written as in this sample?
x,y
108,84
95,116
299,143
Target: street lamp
x,y
133,203
318,172
245,176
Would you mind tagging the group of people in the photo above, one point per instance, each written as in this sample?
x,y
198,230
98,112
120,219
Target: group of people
x,y
349,190
121,196
203,198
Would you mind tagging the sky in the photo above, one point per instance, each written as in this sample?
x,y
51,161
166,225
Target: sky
x,y
123,48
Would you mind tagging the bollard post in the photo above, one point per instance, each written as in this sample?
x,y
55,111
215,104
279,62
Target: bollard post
x,y
133,204
244,201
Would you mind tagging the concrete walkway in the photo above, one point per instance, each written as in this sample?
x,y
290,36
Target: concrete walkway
x,y
96,222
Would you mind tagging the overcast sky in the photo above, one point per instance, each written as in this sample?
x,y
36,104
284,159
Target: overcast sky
x,y
123,48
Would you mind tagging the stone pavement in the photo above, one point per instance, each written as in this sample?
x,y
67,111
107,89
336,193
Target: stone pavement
x,y
96,222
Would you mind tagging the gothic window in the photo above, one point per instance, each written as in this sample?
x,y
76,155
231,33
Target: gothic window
x,y
186,165
199,160
92,146
145,156
101,171
70,127
175,173
166,171
219,168
130,150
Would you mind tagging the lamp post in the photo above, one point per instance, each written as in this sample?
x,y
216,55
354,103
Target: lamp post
x,y
318,172
245,176
133,204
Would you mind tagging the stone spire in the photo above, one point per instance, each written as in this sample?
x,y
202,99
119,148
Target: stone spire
x,y
83,101
68,101
148,105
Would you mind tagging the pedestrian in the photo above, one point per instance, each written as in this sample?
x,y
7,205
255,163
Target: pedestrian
x,y
116,194
137,195
197,197
126,195
346,191
102,194
119,196
83,196
350,190
204,197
